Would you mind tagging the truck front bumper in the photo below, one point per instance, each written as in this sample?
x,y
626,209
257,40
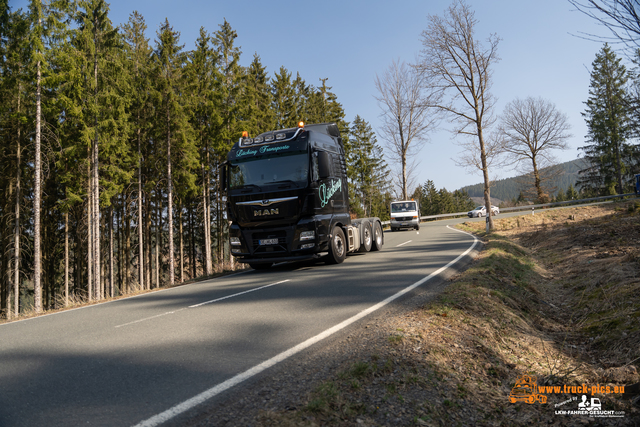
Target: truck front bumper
x,y
277,244
408,223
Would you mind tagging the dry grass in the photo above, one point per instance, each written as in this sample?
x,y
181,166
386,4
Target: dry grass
x,y
553,295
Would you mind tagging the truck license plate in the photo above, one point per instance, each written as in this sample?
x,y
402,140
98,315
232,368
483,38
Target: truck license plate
x,y
264,242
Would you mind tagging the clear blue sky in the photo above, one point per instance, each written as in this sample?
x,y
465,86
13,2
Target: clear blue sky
x,y
350,41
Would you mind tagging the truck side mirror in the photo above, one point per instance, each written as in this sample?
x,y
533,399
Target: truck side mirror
x,y
324,165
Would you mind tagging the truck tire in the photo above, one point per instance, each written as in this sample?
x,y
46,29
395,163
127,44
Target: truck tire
x,y
261,266
418,227
377,237
367,237
338,246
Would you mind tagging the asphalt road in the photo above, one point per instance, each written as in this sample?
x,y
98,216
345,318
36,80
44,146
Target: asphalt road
x,y
143,360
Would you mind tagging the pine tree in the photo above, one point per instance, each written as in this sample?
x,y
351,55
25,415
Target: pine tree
x,y
95,117
607,120
139,55
283,98
206,120
172,125
429,205
572,194
366,169
229,132
256,113
13,87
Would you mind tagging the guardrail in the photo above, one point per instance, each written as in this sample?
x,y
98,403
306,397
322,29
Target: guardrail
x,y
528,207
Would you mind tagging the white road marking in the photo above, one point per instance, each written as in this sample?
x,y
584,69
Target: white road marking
x,y
199,282
149,318
402,244
239,293
202,303
231,382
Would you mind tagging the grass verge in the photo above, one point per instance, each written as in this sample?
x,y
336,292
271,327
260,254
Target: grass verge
x,y
553,295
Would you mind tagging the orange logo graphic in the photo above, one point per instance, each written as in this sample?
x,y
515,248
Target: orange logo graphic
x,y
526,390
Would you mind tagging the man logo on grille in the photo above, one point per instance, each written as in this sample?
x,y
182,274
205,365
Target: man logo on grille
x,y
266,212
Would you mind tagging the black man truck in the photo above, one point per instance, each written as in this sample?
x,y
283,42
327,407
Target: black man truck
x,y
288,200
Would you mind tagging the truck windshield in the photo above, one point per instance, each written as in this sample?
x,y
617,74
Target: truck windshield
x,y
403,207
290,169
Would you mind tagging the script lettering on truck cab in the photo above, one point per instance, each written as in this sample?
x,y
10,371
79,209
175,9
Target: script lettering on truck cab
x,y
262,150
325,193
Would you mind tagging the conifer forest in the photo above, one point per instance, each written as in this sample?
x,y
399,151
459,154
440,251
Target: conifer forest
x,y
112,145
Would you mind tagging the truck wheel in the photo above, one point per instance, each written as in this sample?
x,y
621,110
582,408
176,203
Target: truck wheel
x,y
377,237
261,266
418,227
367,237
338,246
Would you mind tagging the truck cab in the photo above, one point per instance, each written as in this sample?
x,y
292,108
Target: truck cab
x,y
405,214
287,198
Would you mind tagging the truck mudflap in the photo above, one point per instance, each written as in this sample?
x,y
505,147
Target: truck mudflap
x,y
272,260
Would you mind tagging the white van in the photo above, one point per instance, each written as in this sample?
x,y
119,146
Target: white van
x,y
405,214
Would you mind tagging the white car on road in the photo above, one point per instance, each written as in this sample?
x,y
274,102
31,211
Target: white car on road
x,y
481,211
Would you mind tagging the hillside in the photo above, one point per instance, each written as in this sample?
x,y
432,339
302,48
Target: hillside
x,y
509,188
551,295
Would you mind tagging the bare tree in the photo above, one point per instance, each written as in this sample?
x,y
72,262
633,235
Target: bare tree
x,y
621,17
456,68
406,120
532,128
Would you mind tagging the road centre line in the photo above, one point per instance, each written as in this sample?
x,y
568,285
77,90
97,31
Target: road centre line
x,y
155,291
202,303
402,244
231,382
149,318
239,293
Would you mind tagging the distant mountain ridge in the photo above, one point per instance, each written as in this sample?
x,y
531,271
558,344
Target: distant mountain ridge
x,y
509,188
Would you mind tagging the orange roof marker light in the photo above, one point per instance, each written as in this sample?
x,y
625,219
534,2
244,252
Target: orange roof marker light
x,y
245,134
301,125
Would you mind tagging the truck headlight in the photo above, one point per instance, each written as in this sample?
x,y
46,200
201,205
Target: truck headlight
x,y
307,235
235,241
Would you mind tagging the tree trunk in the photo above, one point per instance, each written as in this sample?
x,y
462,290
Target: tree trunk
x,y
537,181
207,218
127,247
66,259
96,177
158,236
148,245
111,271
485,175
181,243
119,239
5,263
170,202
140,222
90,265
192,242
16,241
37,262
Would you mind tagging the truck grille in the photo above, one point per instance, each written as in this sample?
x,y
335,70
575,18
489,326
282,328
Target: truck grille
x,y
403,218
